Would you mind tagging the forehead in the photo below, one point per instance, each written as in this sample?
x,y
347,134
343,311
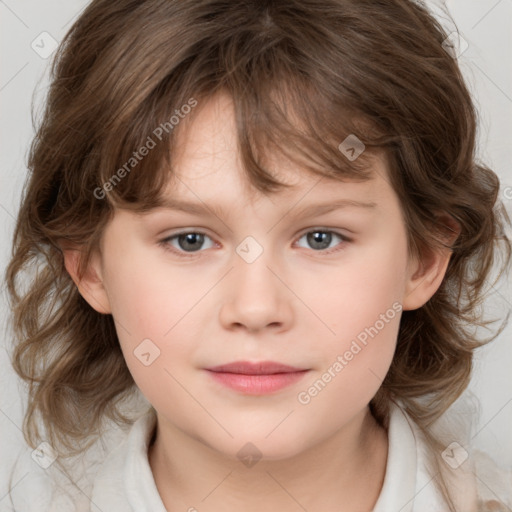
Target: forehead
x,y
207,165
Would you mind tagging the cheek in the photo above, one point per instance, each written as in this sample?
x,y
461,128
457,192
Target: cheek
x,y
362,305
147,294
356,359
155,307
355,294
137,294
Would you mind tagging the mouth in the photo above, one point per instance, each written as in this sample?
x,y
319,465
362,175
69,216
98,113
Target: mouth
x,y
258,378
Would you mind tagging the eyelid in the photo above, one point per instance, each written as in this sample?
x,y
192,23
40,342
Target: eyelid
x,y
337,231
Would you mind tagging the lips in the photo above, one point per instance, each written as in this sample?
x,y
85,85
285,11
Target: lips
x,y
258,368
258,378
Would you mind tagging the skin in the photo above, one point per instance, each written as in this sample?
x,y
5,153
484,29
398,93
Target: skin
x,y
294,304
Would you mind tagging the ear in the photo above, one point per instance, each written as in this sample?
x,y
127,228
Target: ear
x,y
90,285
426,272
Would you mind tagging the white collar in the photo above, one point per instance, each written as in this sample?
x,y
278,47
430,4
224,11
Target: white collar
x,y
125,480
408,486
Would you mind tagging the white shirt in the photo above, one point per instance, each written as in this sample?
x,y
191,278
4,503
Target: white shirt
x,y
126,483
123,481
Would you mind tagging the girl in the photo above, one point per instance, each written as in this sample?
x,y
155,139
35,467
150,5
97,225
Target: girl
x,y
321,156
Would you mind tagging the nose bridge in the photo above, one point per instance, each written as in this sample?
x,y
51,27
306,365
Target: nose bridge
x,y
252,273
256,297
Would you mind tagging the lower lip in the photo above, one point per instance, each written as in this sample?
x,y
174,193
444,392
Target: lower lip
x,y
257,384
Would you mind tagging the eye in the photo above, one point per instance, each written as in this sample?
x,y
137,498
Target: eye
x,y
186,242
320,239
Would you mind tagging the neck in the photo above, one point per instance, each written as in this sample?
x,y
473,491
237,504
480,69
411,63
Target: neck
x,y
347,468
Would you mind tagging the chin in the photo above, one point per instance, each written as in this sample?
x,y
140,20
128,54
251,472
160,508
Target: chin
x,y
250,447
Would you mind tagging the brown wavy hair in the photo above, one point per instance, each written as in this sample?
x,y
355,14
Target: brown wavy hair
x,y
303,75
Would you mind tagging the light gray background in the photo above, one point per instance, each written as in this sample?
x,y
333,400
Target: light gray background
x,y
487,64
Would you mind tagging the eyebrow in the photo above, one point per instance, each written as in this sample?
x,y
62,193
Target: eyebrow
x,y
308,210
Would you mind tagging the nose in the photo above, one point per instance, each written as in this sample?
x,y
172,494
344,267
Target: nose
x,y
256,297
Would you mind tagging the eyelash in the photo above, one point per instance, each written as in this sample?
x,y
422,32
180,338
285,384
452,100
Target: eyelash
x,y
165,243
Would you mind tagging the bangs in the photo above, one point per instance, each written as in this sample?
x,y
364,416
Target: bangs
x,y
279,108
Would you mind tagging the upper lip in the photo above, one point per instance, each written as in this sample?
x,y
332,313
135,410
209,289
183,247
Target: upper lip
x,y
257,368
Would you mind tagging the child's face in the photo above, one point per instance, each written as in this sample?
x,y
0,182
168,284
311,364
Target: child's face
x,y
294,304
